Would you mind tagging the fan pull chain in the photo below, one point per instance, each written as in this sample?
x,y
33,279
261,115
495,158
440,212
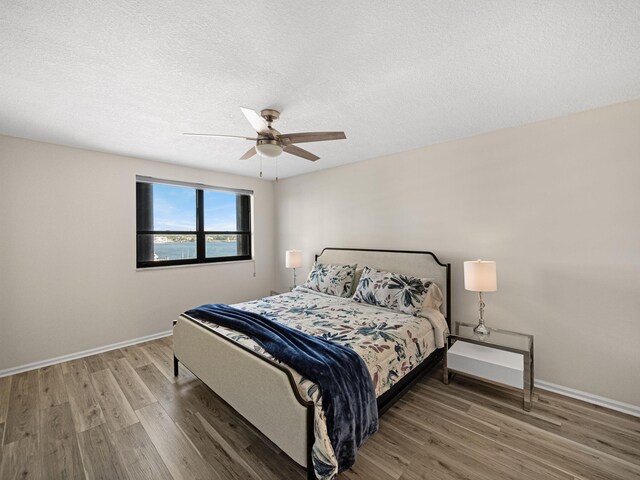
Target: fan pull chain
x,y
260,166
276,169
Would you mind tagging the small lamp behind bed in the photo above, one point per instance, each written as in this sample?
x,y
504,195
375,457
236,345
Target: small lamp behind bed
x,y
293,259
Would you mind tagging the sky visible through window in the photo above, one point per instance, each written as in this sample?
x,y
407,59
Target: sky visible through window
x,y
174,208
219,211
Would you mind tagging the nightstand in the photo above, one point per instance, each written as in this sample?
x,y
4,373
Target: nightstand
x,y
502,357
274,292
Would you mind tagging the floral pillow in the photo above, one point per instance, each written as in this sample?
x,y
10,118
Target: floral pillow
x,y
331,279
398,292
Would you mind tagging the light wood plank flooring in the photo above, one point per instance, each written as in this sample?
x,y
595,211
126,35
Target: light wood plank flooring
x,y
123,414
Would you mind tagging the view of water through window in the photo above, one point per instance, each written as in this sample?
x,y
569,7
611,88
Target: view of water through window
x,y
180,250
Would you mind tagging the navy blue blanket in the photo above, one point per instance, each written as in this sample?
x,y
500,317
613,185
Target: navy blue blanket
x,y
348,395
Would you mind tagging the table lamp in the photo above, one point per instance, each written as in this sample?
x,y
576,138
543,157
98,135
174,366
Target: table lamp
x,y
293,259
480,276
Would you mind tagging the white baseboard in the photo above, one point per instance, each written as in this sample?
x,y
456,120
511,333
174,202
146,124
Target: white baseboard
x,y
84,353
589,397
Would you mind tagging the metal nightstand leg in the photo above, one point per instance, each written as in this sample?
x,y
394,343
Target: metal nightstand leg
x,y
445,375
528,382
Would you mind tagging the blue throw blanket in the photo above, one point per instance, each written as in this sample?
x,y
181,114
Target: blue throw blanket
x,y
348,395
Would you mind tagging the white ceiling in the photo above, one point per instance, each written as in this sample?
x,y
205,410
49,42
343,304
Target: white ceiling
x,y
128,76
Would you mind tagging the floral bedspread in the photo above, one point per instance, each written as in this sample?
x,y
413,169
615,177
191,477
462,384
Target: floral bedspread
x,y
391,344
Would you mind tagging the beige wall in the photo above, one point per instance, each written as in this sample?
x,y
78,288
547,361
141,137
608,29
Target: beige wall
x,y
555,203
68,280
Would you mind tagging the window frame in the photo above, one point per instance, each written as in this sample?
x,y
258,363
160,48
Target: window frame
x,y
200,233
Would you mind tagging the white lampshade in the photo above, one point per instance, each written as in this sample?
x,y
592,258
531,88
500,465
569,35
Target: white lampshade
x,y
293,259
269,148
480,276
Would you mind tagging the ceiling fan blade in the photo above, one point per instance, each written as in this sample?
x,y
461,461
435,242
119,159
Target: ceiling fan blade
x,y
311,137
250,153
257,122
215,135
299,152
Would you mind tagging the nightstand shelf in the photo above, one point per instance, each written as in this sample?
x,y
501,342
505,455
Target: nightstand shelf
x,y
503,357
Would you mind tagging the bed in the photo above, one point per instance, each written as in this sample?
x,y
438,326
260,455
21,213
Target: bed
x,y
253,382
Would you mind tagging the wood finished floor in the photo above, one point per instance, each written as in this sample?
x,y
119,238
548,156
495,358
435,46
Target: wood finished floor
x,y
122,414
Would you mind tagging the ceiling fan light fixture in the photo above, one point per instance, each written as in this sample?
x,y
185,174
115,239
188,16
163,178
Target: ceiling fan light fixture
x,y
269,148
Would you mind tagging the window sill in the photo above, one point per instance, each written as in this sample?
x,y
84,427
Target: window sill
x,y
188,265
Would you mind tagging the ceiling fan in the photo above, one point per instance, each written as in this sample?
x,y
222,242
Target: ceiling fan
x,y
270,142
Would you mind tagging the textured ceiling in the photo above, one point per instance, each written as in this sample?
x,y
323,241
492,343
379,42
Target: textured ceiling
x,y
128,76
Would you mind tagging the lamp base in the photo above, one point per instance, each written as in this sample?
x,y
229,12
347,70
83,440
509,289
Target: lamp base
x,y
481,329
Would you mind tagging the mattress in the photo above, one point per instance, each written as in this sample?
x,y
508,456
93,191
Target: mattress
x,y
390,343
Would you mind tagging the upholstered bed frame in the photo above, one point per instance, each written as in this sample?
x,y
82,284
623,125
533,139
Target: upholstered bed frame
x,y
235,372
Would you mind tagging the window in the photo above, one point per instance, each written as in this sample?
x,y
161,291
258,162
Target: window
x,y
181,223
